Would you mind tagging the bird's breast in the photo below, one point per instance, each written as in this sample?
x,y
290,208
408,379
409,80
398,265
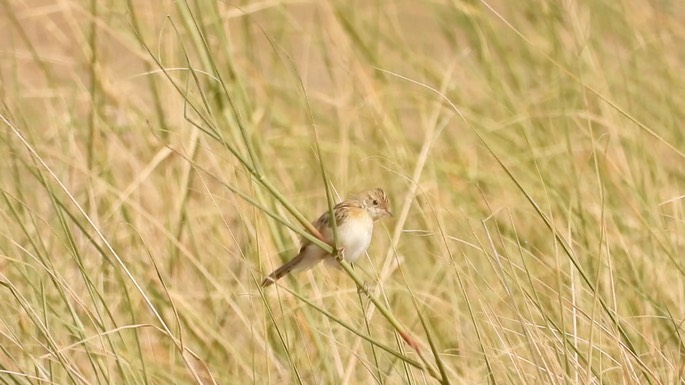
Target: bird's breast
x,y
355,235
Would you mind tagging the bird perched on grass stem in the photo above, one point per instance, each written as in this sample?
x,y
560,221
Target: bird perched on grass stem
x,y
354,220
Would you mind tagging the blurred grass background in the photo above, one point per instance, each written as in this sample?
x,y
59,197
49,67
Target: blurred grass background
x,y
538,222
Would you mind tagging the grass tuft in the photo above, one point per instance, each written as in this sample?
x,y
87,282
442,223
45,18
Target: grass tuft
x,y
159,159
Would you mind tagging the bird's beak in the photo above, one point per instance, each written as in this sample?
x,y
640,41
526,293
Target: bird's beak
x,y
388,213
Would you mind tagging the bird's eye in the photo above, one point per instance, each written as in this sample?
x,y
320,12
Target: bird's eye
x,y
375,202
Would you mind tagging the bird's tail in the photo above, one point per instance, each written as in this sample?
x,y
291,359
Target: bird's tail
x,y
305,260
282,271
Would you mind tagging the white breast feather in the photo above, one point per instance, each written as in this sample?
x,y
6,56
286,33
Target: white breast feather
x,y
355,237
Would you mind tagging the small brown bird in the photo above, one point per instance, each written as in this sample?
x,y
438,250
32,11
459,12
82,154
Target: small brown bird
x,y
354,219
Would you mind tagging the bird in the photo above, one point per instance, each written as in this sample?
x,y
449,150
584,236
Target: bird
x,y
354,219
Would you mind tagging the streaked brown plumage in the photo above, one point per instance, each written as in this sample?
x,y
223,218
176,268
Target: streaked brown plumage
x,y
354,219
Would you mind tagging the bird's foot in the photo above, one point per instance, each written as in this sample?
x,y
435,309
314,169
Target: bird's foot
x,y
340,254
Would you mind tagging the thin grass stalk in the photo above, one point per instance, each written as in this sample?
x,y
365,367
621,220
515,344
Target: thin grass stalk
x,y
366,337
242,160
104,240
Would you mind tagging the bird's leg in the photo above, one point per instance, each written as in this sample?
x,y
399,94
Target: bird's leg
x,y
339,254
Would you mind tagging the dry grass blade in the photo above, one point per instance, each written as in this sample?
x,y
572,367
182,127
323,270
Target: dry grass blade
x,y
158,159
